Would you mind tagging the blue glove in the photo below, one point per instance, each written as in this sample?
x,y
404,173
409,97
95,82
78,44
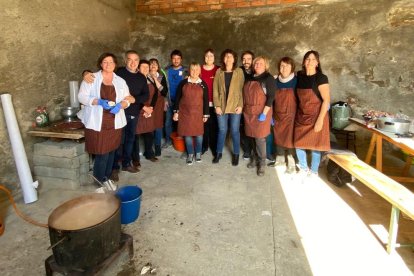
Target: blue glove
x,y
116,108
104,104
262,117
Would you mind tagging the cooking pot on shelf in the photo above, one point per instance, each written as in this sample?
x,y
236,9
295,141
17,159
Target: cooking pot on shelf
x,y
394,125
85,230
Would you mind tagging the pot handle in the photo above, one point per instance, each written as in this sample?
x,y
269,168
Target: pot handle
x,y
389,123
58,242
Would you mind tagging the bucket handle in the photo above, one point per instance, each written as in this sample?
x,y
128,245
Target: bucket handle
x,y
58,242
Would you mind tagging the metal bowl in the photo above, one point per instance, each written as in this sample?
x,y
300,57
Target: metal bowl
x,y
69,113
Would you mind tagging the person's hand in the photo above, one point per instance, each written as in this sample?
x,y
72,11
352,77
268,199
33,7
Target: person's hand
x,y
104,104
205,119
166,105
262,117
88,77
219,111
238,110
175,117
318,125
148,109
116,108
147,115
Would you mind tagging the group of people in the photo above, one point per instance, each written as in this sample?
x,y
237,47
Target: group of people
x,y
200,103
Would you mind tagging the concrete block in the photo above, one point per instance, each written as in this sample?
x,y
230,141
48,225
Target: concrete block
x,y
54,182
72,174
84,168
61,162
64,148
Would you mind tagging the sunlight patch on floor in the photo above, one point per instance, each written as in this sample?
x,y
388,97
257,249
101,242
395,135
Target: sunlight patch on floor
x,y
335,239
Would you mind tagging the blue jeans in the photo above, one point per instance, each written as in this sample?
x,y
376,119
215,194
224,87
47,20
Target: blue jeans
x,y
316,159
168,123
189,143
157,136
102,166
129,132
223,121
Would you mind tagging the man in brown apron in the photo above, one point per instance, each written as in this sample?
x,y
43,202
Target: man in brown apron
x,y
258,96
191,110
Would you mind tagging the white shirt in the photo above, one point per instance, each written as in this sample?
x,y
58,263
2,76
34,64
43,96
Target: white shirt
x,y
92,114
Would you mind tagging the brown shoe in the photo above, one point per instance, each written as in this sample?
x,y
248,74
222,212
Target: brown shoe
x,y
153,159
136,164
114,176
130,169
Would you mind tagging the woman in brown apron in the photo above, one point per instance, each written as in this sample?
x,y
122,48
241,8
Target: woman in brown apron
x,y
191,111
258,96
146,121
312,121
284,111
159,80
103,116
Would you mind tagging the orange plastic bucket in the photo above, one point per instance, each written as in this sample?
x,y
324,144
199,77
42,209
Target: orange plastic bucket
x,y
178,142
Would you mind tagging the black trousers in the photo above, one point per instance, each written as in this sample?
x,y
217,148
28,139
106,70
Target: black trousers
x,y
210,132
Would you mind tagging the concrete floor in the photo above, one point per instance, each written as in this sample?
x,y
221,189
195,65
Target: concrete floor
x,y
221,220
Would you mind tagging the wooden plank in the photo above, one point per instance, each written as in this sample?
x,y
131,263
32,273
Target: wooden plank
x,y
64,135
387,188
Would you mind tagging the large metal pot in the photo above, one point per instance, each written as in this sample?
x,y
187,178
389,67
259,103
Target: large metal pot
x,y
393,125
85,230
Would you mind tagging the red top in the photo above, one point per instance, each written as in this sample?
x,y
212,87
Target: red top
x,y
208,77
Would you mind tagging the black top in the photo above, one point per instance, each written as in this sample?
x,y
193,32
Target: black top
x,y
138,88
227,80
269,86
206,110
247,76
309,82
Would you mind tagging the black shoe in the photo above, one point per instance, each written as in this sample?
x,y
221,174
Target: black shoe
x,y
246,156
157,150
217,158
235,160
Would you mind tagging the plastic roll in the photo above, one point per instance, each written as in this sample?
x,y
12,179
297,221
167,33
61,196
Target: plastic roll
x,y
20,158
74,90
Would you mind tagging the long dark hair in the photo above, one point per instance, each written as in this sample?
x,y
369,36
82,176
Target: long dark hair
x,y
316,54
223,54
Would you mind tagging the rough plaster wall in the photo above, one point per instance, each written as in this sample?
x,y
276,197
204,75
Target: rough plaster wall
x,y
43,45
365,46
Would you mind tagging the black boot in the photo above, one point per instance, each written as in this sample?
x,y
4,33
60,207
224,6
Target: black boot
x,y
235,160
217,158
157,150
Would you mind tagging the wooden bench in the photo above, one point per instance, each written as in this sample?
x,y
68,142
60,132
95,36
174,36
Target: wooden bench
x,y
399,196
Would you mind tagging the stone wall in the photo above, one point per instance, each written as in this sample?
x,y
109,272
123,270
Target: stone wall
x,y
365,46
43,45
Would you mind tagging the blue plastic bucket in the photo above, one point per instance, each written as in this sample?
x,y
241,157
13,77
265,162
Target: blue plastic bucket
x,y
130,197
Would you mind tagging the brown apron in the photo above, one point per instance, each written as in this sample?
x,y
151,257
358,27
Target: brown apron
x,y
158,112
308,111
109,138
190,116
147,124
254,100
284,108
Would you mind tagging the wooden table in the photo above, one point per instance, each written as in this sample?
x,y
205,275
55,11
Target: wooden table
x,y
55,132
406,144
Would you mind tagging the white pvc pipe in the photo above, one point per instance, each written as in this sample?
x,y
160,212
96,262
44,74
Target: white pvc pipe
x,y
20,158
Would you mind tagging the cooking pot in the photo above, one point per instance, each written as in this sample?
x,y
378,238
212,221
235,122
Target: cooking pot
x,y
85,230
394,125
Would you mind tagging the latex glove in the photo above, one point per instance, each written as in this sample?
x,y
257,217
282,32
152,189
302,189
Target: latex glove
x,y
116,108
104,104
262,117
